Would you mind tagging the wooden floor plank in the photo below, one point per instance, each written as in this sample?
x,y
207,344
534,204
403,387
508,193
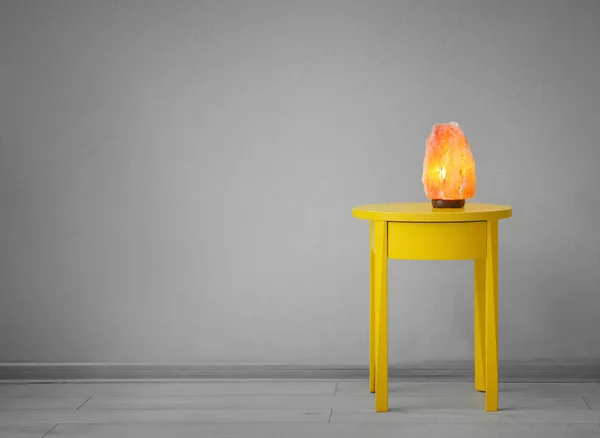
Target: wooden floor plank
x,y
473,400
24,431
456,388
303,430
164,416
451,416
593,401
223,402
168,388
7,403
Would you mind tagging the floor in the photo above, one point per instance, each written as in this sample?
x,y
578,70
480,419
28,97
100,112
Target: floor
x,y
298,408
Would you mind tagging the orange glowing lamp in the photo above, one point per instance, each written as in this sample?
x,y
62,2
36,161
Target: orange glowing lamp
x,y
448,168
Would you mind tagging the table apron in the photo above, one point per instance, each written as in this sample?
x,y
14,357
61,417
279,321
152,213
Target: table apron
x,y
437,240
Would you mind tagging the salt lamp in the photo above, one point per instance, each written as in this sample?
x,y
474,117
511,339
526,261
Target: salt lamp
x,y
448,168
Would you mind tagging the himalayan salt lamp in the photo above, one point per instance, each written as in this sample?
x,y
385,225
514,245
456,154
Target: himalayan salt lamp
x,y
448,168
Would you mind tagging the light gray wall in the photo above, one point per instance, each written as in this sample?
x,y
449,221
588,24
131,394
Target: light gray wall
x,y
177,178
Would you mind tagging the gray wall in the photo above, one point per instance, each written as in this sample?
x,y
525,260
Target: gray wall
x,y
177,178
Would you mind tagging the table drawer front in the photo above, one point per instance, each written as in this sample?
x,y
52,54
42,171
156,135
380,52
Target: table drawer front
x,y
436,240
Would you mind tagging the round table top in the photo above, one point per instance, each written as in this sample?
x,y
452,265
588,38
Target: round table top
x,y
425,212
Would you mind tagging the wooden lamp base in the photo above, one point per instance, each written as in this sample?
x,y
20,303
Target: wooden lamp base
x,y
448,203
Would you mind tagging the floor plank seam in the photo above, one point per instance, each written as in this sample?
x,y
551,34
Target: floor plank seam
x,y
53,427
586,403
88,399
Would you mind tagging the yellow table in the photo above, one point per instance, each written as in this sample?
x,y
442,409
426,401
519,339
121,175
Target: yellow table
x,y
417,231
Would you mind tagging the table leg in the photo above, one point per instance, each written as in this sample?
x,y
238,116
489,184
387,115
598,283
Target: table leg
x,y
491,318
372,319
479,324
381,262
